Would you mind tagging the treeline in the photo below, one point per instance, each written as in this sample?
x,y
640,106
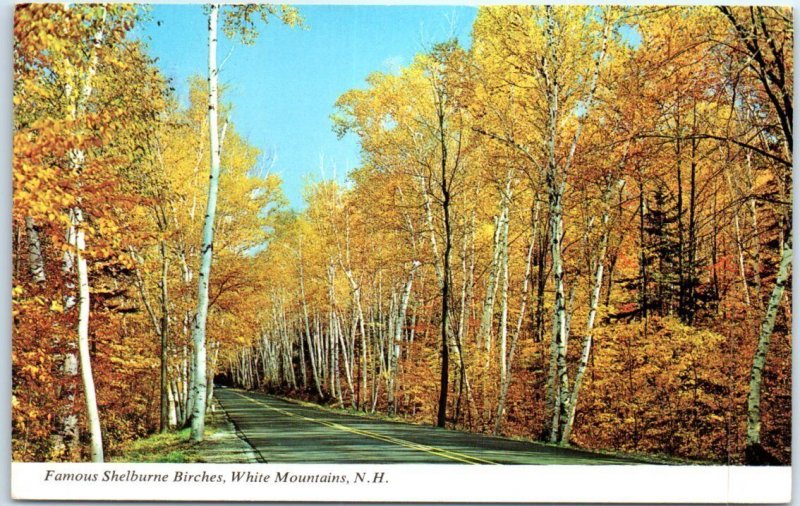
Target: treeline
x,y
111,240
576,230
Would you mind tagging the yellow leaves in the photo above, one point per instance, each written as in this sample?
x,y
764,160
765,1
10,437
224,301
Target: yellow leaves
x,y
56,306
669,376
30,369
105,226
126,261
241,21
485,232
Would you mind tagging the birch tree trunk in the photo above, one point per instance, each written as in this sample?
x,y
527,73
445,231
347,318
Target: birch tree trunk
x,y
35,261
755,259
467,274
738,238
69,437
164,421
504,293
172,406
587,339
556,178
302,360
559,316
77,237
398,337
487,314
355,288
760,358
92,413
206,251
506,377
558,365
311,348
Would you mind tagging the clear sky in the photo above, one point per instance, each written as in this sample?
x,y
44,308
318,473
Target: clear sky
x,y
283,88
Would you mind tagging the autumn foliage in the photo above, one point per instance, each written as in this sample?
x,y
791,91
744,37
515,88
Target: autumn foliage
x,y
602,193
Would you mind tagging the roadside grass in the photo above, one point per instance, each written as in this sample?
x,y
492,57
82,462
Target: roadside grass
x,y
220,444
167,447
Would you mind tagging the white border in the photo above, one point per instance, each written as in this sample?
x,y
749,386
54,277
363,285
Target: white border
x,y
666,484
416,483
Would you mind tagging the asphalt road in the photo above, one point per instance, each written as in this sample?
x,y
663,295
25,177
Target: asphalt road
x,y
284,431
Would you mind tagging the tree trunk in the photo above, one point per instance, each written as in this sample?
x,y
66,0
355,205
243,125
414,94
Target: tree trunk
x,y
681,245
559,318
164,422
760,358
738,238
755,259
302,361
398,338
504,294
206,250
92,413
77,239
506,377
444,382
70,433
558,366
35,261
311,347
587,339
487,315
172,420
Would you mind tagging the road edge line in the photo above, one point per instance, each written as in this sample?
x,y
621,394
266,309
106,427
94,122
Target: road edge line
x,y
241,435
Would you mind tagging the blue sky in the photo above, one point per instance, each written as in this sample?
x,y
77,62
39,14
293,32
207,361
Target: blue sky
x,y
283,88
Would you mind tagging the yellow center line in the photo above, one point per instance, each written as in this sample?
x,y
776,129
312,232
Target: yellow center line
x,y
439,452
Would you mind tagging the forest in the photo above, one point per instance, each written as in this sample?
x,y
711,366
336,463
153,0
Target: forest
x,y
573,228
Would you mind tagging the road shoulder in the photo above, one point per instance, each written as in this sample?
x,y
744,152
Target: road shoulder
x,y
222,444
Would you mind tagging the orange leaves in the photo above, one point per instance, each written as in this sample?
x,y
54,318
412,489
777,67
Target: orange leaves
x,y
661,388
79,125
44,185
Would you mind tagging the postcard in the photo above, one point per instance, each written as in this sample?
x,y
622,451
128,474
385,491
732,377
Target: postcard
x,y
406,253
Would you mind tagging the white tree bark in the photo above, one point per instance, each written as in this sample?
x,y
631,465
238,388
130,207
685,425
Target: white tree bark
x,y
760,358
487,314
587,339
311,348
504,294
171,406
398,338
755,259
77,239
164,338
70,433
506,377
355,289
35,262
555,176
555,187
92,413
206,251
738,236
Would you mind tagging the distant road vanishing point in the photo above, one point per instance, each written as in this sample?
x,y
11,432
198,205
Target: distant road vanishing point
x,y
285,431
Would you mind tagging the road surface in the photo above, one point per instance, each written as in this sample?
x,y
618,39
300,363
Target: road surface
x,y
284,431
